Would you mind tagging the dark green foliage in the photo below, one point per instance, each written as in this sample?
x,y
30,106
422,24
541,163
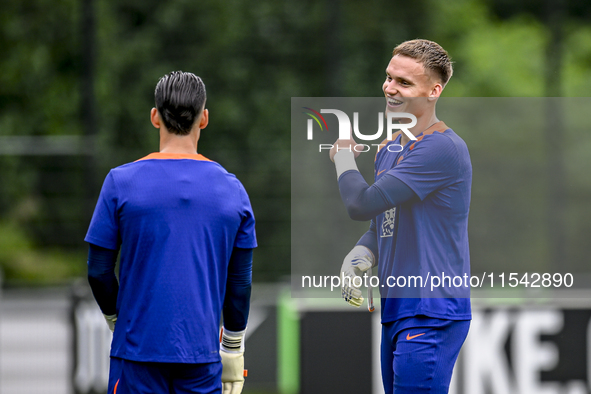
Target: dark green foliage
x,y
253,57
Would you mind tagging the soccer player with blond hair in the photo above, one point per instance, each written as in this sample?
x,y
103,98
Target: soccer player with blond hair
x,y
418,206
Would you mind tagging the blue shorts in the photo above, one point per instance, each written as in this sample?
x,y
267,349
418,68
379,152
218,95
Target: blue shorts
x,y
418,354
127,377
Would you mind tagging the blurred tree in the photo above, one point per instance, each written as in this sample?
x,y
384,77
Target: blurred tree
x,y
253,58
554,14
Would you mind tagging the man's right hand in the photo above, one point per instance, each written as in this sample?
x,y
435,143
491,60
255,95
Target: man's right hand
x,y
359,260
111,320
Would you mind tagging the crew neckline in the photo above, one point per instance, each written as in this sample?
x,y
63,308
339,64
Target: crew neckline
x,y
172,156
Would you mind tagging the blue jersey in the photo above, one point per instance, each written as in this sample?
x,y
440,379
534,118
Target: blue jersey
x,y
176,219
426,236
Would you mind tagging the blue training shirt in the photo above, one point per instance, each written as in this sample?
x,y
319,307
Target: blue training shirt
x,y
176,218
426,236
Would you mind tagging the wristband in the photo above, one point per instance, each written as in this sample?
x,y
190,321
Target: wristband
x,y
232,341
344,160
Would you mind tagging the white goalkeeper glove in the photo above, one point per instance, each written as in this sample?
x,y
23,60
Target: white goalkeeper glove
x,y
359,260
232,352
111,320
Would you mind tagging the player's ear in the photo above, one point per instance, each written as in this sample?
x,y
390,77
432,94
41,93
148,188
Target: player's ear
x,y
155,118
435,91
204,119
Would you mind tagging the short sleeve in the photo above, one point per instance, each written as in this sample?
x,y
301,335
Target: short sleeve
x,y
246,237
104,226
430,164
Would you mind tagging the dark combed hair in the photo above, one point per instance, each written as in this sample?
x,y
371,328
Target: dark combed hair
x,y
430,54
180,97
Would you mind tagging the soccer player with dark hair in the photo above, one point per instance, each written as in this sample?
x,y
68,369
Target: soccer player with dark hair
x,y
185,231
418,206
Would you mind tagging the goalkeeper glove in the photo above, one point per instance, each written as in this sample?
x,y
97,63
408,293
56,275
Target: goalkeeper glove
x,y
232,352
359,260
111,320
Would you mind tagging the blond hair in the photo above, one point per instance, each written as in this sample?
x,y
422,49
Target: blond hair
x,y
430,54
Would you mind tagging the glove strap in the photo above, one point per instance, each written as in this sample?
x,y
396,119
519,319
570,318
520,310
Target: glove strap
x,y
232,341
363,251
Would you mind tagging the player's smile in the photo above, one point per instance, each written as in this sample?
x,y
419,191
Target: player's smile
x,y
393,103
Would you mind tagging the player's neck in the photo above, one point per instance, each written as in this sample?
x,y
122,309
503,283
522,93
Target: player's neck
x,y
185,144
423,123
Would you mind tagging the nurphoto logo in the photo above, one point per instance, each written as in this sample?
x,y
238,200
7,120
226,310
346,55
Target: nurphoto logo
x,y
345,127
